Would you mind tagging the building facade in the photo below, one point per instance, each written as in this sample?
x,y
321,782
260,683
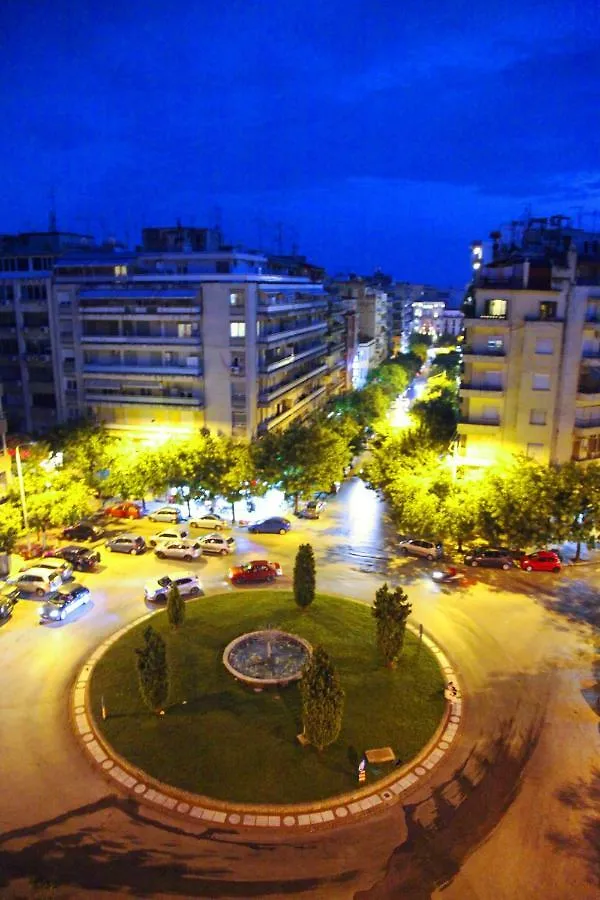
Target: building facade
x,y
182,334
452,322
531,380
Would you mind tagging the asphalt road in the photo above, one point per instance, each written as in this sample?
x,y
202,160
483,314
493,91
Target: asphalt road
x,y
509,814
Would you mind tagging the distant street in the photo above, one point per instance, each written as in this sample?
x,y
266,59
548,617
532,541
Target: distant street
x,y
511,813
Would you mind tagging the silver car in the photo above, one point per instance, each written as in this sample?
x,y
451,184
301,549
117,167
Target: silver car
x,y
169,534
37,581
421,548
188,584
210,520
180,549
217,543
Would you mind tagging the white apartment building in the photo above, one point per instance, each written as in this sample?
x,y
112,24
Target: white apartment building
x,y
531,381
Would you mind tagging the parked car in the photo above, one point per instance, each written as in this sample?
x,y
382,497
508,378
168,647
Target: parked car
x,y
490,558
426,549
83,531
125,510
63,602
166,514
210,520
217,543
54,564
273,525
255,571
81,559
179,549
169,534
541,561
127,543
37,581
9,597
312,510
189,585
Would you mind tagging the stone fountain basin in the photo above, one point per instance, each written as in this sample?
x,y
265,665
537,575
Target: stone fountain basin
x,y
270,657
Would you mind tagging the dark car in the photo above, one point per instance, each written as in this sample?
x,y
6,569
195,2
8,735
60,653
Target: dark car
x,y
273,525
127,543
490,558
257,570
61,603
83,531
312,510
81,558
9,597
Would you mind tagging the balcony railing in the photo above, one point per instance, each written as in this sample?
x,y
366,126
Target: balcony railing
x,y
279,418
270,394
144,399
293,358
273,336
594,422
139,340
483,351
477,386
182,371
470,420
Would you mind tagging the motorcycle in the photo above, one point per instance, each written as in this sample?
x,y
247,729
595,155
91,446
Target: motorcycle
x,y
449,576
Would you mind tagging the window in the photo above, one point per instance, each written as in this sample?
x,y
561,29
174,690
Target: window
x,y
548,309
495,345
544,345
541,382
238,363
491,414
184,329
238,419
537,417
120,271
496,308
236,298
237,330
535,451
223,267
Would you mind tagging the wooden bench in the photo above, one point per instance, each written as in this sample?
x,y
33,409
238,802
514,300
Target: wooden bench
x,y
380,755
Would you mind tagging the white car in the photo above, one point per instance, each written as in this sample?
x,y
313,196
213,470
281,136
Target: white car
x,y
56,564
37,581
179,549
217,543
210,520
427,549
169,534
189,585
166,514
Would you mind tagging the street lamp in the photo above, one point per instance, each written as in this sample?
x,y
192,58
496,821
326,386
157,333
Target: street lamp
x,y
22,491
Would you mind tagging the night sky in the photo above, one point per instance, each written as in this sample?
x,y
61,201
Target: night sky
x,y
379,134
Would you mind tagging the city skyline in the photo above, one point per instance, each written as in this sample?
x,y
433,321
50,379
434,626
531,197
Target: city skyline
x,y
364,139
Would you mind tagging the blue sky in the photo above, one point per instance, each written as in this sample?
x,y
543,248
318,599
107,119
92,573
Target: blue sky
x,y
380,134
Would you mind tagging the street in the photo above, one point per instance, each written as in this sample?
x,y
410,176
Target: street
x,y
511,812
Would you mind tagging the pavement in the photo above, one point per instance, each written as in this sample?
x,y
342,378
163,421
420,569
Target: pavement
x,y
509,812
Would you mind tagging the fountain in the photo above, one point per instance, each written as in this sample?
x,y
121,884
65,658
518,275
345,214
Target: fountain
x,y
267,658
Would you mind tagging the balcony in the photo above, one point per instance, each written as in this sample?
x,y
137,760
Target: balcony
x,y
274,421
272,336
546,320
139,340
484,321
154,369
270,394
196,400
477,389
267,305
292,359
153,313
482,354
478,425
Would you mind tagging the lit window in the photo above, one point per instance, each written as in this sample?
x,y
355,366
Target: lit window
x,y
184,329
236,298
237,329
120,271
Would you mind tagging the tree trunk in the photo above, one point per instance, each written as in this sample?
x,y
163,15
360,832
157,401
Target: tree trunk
x,y
233,512
296,502
578,552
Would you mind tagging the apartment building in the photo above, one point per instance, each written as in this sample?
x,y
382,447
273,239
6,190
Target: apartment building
x,y
371,304
5,466
29,338
188,333
531,380
452,322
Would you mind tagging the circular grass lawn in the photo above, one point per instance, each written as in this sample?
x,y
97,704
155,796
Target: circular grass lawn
x,y
223,740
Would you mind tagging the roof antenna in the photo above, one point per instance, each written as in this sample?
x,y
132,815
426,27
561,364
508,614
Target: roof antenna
x,y
52,226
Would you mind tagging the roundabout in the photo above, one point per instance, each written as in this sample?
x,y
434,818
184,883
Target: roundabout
x,y
226,751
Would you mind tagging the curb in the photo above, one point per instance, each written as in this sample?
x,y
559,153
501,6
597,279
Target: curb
x,y
339,810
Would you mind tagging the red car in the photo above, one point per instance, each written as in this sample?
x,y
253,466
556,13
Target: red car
x,y
541,561
125,510
257,570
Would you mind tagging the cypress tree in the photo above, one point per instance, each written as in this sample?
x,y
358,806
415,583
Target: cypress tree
x,y
175,607
322,700
391,610
153,670
304,576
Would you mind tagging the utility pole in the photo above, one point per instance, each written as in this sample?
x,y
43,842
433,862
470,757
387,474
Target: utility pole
x,y
22,493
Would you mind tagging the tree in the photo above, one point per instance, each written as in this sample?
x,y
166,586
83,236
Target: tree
x,y
10,526
87,449
175,607
575,498
322,700
304,576
153,670
391,610
237,473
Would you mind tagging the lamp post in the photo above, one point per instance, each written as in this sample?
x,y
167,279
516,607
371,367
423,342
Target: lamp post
x,y
22,492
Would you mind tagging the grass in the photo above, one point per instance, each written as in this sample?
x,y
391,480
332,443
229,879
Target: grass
x,y
228,742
